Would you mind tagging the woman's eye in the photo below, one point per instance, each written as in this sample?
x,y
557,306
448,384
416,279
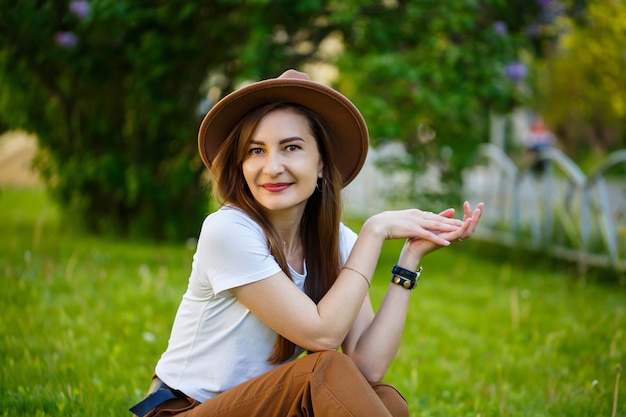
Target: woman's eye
x,y
255,151
291,148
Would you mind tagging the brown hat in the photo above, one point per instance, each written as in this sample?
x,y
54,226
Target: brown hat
x,y
343,118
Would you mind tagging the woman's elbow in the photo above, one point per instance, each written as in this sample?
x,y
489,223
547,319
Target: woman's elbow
x,y
321,343
370,370
373,376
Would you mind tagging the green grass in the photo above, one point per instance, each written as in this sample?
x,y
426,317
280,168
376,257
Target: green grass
x,y
84,320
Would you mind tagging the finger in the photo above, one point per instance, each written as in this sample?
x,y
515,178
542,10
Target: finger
x,y
478,211
438,227
445,217
470,231
476,217
467,210
448,213
470,222
460,233
474,220
452,237
435,238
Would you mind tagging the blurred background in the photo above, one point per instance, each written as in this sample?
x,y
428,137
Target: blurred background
x,y
112,93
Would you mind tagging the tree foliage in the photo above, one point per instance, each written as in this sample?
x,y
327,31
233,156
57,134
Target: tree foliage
x,y
112,88
445,64
115,90
581,87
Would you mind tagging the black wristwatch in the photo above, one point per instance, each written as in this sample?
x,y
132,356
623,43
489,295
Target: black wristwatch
x,y
404,277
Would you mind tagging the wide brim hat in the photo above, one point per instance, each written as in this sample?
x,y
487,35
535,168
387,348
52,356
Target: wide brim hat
x,y
342,117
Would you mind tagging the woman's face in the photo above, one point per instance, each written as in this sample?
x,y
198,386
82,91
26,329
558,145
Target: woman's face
x,y
283,163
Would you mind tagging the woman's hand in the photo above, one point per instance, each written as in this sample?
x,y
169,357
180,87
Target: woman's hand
x,y
414,224
417,248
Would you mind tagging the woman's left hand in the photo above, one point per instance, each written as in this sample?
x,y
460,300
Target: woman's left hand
x,y
417,248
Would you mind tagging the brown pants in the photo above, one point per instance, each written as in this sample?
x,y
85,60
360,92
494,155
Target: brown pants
x,y
323,384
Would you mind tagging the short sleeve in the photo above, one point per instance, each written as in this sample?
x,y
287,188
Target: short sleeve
x,y
347,239
232,251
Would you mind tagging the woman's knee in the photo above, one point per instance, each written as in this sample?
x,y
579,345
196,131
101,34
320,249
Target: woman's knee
x,y
334,359
392,398
334,367
338,371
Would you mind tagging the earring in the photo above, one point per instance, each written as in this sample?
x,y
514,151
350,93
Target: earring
x,y
321,183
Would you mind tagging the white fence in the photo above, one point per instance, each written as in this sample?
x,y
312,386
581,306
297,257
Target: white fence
x,y
561,211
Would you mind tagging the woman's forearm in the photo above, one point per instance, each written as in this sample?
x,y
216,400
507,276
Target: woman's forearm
x,y
340,306
379,343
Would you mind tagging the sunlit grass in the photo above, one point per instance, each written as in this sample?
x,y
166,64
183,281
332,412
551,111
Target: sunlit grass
x,y
85,319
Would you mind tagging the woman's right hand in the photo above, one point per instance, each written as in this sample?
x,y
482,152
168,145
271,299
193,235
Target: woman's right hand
x,y
413,223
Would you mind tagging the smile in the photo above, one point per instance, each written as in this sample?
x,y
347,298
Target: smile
x,y
277,187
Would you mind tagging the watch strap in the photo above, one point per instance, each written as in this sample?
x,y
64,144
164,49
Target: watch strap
x,y
404,277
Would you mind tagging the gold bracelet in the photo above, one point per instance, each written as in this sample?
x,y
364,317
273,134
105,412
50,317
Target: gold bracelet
x,y
364,277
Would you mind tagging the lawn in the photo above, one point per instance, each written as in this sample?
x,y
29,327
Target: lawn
x,y
84,320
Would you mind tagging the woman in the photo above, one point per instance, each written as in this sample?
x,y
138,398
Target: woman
x,y
278,284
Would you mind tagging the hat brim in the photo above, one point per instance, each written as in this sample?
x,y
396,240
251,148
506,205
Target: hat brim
x,y
342,117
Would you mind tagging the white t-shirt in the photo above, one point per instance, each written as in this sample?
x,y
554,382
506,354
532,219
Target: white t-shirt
x,y
216,343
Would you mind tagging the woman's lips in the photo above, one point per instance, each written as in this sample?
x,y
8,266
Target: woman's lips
x,y
277,187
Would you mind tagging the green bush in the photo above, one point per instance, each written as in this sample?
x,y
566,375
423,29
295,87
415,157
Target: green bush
x,y
115,90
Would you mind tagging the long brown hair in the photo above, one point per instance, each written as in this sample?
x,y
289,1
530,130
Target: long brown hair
x,y
319,227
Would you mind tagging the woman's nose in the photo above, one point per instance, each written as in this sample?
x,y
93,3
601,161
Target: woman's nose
x,y
274,164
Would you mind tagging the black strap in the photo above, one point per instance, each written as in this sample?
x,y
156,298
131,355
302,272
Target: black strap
x,y
155,399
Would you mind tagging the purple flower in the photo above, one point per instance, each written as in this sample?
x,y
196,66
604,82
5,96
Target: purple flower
x,y
500,27
66,39
516,71
80,9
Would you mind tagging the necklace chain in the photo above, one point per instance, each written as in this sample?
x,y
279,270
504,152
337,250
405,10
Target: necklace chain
x,y
293,250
